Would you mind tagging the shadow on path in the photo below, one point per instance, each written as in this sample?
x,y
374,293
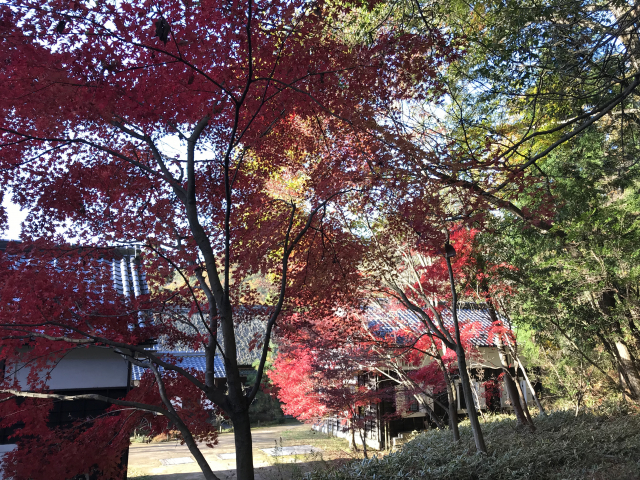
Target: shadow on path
x,y
280,471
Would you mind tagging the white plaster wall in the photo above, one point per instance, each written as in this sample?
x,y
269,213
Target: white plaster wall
x,y
489,358
90,367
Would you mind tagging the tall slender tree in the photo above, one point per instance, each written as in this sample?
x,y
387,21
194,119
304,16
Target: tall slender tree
x,y
416,270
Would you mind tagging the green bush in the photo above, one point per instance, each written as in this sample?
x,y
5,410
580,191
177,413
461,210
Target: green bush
x,y
563,447
265,410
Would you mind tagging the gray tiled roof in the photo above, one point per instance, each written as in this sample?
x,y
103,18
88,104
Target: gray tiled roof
x,y
190,360
129,281
124,263
248,330
383,322
128,278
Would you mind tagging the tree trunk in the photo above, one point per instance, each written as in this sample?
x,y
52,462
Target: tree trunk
x,y
462,366
476,397
471,407
364,442
519,365
613,353
624,357
635,331
453,413
525,407
629,368
244,450
352,442
512,390
193,448
451,395
533,392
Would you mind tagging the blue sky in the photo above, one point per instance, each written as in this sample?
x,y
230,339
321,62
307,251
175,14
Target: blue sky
x,y
16,216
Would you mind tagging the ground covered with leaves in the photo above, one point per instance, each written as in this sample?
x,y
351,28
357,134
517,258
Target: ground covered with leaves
x,y
563,447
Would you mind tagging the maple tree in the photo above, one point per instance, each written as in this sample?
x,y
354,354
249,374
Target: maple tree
x,y
418,362
314,384
416,271
415,356
221,138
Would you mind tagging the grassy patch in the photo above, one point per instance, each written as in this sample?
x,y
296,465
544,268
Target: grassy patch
x,y
564,447
334,453
307,436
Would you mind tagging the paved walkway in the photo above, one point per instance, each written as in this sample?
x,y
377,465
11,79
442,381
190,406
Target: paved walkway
x,y
146,458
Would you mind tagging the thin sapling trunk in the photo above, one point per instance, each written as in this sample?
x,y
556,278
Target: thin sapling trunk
x,y
478,437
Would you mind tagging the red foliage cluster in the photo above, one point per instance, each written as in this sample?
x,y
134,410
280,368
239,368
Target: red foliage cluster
x,y
324,354
226,139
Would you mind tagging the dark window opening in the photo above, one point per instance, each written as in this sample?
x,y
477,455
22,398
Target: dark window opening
x,y
65,413
413,404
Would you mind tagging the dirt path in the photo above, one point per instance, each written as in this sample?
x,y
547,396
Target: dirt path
x,y
146,460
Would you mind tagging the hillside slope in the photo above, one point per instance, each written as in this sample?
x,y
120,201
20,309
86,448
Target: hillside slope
x,y
563,447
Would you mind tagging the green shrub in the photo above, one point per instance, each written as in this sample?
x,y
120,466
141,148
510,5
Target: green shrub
x,y
265,410
563,447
